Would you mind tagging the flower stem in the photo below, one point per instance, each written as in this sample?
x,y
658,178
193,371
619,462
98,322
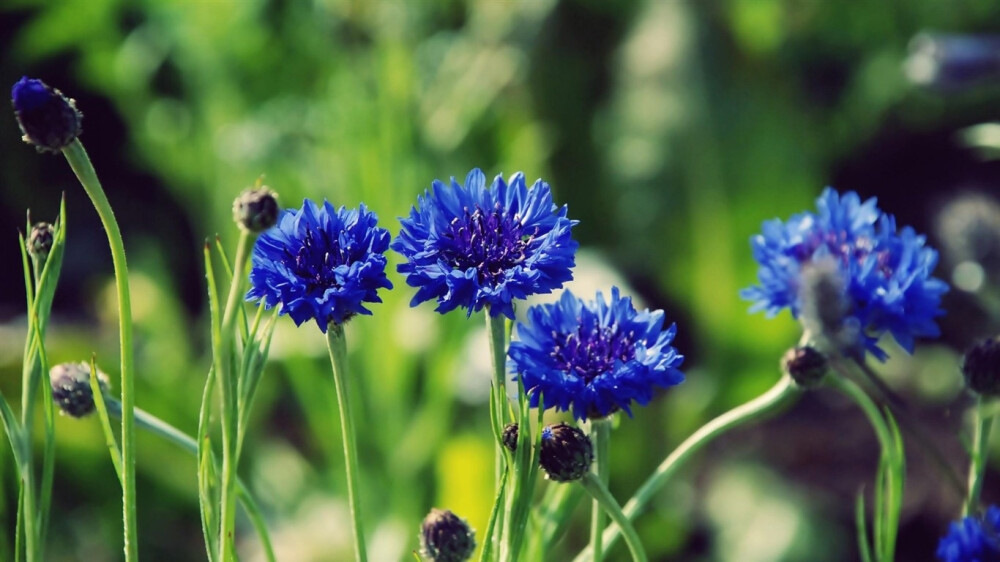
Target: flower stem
x,y
756,409
887,520
600,436
156,426
978,455
337,345
600,493
228,376
78,160
497,333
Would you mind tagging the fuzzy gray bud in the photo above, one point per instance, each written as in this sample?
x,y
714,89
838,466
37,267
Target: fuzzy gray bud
x,y
256,209
446,537
40,240
71,388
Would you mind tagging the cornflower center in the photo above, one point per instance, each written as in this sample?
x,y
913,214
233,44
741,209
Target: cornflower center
x,y
491,242
316,259
846,250
591,351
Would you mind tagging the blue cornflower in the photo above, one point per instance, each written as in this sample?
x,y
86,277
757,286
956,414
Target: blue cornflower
x,y
973,539
594,357
474,246
885,273
320,263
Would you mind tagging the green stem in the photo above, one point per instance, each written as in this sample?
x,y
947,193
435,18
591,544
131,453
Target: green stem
x,y
765,404
600,493
887,442
77,157
337,345
978,456
600,436
230,412
149,422
497,333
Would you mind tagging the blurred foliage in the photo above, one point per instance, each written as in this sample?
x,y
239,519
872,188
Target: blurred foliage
x,y
672,129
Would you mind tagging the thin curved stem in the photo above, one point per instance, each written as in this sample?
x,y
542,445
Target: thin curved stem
x,y
769,402
77,157
337,345
893,486
603,497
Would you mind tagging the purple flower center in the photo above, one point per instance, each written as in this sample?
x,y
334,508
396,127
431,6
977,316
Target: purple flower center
x,y
492,243
845,250
587,354
315,260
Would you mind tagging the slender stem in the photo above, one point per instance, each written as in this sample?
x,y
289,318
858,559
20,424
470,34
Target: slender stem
x,y
887,443
600,493
497,334
337,345
149,422
765,404
600,436
77,157
978,456
230,415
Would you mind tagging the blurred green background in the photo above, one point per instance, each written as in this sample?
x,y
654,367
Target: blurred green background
x,y
670,128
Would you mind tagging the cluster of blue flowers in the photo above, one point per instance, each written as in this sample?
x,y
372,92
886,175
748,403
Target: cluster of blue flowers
x,y
476,246
885,273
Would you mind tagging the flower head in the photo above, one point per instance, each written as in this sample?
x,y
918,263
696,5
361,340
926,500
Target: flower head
x,y
886,273
973,539
320,263
48,119
473,246
594,357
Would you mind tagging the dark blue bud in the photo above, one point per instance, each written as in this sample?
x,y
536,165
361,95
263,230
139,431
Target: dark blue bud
x,y
48,119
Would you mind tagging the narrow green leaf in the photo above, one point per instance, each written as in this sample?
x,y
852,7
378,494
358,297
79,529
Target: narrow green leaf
x,y
861,527
102,412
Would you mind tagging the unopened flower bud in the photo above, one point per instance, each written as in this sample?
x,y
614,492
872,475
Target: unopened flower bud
x,y
509,436
40,240
566,454
981,367
805,365
48,119
446,537
256,209
71,388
